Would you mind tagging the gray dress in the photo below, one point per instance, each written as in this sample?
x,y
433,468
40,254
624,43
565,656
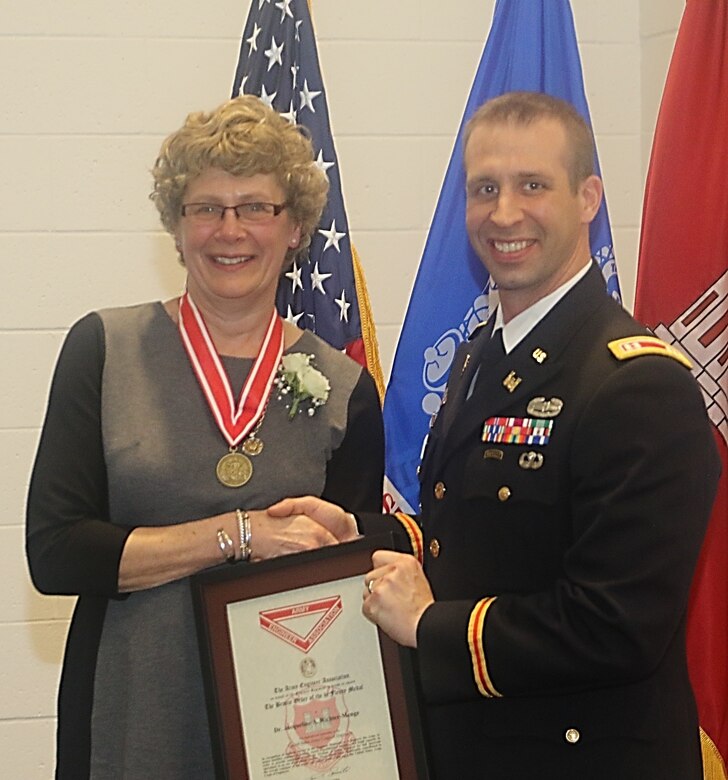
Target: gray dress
x,y
160,446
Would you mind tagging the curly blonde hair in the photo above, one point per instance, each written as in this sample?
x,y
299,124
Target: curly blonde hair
x,y
243,137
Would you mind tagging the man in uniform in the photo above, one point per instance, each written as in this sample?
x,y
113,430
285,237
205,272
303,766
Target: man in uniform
x,y
565,490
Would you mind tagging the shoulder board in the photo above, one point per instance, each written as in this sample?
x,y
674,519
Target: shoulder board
x,y
635,346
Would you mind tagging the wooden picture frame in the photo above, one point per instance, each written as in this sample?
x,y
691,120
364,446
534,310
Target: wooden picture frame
x,y
298,682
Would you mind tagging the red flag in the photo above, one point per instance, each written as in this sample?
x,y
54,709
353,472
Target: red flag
x,y
682,294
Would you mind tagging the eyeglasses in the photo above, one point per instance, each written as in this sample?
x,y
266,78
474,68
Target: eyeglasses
x,y
208,213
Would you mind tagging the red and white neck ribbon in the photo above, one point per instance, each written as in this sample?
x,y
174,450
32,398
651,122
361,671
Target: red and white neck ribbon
x,y
235,421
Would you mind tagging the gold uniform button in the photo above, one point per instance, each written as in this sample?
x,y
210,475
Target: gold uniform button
x,y
440,490
434,548
572,736
504,493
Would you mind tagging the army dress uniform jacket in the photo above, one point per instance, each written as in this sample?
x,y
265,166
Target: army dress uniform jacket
x,y
560,551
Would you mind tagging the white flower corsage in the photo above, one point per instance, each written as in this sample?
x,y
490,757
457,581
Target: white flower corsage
x,y
299,382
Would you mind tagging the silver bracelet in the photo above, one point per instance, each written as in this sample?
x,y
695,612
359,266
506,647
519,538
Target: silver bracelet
x,y
227,548
245,534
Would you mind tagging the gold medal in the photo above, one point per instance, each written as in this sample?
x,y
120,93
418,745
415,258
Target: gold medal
x,y
252,445
236,422
234,469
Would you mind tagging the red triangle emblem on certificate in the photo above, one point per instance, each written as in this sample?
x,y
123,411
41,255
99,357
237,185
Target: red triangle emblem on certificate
x,y
286,622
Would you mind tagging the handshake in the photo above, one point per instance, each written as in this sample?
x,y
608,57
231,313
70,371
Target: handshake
x,y
395,592
296,524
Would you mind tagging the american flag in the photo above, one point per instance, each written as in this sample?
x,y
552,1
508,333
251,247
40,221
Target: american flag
x,y
279,63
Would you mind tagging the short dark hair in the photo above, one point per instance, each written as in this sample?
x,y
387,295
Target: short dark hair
x,y
523,108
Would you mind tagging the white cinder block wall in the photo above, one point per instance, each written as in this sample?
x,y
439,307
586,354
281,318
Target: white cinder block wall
x,y
90,89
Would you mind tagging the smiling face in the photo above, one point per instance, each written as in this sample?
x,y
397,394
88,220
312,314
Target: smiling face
x,y
230,262
525,221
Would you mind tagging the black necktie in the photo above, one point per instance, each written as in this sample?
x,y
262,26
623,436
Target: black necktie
x,y
493,350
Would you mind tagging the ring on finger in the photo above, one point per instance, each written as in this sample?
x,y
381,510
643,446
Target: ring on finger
x,y
370,586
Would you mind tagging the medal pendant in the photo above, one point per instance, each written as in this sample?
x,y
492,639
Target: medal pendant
x,y
234,469
252,446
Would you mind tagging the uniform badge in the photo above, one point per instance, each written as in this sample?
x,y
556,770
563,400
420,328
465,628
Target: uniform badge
x,y
530,460
542,407
539,355
517,430
493,454
512,381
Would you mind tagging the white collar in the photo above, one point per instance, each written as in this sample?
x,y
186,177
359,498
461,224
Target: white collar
x,y
522,324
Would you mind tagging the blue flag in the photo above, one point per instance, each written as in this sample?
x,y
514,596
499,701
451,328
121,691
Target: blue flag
x,y
323,291
532,46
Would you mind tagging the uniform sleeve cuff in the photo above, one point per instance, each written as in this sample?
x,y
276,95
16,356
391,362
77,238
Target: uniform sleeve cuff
x,y
476,644
415,534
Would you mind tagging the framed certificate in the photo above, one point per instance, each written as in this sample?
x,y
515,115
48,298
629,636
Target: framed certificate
x,y
299,683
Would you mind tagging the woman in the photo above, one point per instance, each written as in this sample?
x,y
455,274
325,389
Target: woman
x,y
150,469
